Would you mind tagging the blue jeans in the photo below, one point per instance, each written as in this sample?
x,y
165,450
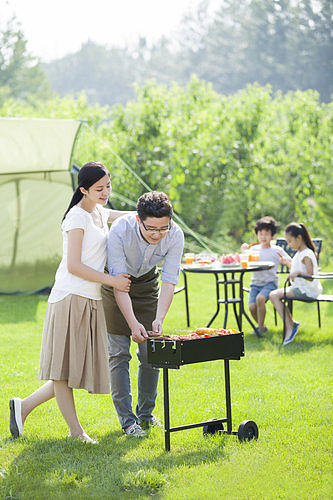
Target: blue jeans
x,y
264,290
119,358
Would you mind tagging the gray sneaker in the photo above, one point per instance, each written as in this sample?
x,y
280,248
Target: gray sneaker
x,y
135,430
153,422
259,332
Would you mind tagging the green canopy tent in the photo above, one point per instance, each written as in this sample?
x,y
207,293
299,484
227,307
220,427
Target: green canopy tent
x,y
36,185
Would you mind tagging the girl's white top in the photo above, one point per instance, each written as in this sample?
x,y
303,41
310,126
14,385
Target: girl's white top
x,y
310,288
94,252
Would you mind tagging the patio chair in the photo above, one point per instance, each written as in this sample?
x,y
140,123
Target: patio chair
x,y
321,298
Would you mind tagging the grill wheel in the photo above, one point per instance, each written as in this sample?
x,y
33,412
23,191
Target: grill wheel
x,y
212,427
247,430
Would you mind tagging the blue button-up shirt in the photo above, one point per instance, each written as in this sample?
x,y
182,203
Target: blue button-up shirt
x,y
129,253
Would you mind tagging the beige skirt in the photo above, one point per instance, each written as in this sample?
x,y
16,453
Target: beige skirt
x,y
74,344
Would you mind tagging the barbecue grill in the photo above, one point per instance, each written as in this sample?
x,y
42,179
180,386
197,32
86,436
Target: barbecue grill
x,y
171,354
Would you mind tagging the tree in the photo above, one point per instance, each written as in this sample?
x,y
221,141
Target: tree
x,y
21,74
283,43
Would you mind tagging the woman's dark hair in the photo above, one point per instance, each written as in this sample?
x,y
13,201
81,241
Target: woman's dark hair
x,y
267,223
89,173
154,204
296,229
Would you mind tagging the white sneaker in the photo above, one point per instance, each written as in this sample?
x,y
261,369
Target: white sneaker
x,y
135,430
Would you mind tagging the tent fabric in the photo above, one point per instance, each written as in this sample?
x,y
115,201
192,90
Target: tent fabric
x,y
36,145
34,196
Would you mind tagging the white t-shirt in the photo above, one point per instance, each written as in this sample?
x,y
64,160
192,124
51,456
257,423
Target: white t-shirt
x,y
261,278
94,252
310,288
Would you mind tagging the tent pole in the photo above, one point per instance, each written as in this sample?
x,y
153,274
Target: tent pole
x,y
18,223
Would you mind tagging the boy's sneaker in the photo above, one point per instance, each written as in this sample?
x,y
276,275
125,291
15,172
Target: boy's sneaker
x,y
135,430
260,331
154,421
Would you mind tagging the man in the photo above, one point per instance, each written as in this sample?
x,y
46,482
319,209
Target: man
x,y
136,244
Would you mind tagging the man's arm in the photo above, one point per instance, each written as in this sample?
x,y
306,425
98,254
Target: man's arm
x,y
163,305
124,302
169,277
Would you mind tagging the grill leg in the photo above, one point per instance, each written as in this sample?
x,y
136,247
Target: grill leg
x,y
227,395
166,409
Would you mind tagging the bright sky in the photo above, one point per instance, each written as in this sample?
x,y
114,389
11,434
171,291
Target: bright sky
x,y
54,28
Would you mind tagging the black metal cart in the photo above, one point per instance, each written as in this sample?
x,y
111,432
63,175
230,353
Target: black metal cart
x,y
171,354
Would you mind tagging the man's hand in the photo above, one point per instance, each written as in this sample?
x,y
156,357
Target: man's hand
x,y
157,327
139,333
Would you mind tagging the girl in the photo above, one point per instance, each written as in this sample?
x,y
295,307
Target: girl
x,y
304,262
74,342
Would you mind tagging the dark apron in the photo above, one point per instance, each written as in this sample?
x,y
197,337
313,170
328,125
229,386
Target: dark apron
x,y
144,296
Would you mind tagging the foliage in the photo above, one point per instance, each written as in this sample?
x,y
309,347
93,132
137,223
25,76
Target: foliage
x,y
21,76
224,161
283,43
264,41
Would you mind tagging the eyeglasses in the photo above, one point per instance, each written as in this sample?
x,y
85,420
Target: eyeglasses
x,y
155,230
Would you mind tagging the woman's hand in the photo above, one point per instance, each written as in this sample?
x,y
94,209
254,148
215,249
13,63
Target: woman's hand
x,y
139,333
293,275
121,282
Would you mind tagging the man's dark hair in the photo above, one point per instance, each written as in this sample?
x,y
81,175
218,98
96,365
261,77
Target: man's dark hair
x,y
154,204
267,223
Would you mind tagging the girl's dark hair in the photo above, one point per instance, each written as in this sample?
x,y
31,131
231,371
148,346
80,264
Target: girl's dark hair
x,y
89,173
154,204
267,223
296,229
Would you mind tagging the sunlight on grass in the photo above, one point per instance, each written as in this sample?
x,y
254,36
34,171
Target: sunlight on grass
x,y
285,390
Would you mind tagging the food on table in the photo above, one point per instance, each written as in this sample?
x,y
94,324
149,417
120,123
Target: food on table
x,y
230,258
203,258
200,259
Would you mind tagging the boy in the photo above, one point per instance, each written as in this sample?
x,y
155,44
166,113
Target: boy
x,y
263,282
136,244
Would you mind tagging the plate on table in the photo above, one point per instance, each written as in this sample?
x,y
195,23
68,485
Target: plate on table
x,y
260,263
234,264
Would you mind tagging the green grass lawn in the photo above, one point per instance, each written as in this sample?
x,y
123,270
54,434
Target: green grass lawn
x,y
287,391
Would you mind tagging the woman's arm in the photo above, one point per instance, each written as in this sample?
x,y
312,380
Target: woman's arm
x,y
114,214
308,266
75,266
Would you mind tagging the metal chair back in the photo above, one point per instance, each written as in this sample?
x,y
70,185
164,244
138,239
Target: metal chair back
x,y
281,242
